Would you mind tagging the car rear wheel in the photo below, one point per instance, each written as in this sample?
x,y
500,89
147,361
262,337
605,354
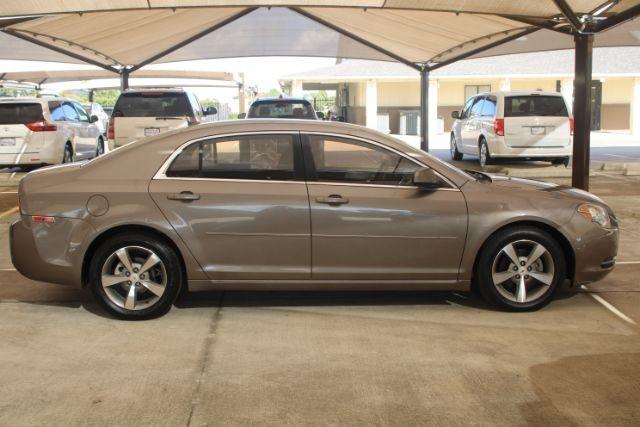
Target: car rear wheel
x,y
519,269
561,161
100,147
67,156
455,154
135,276
483,154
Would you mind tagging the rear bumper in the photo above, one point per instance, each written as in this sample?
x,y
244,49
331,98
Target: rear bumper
x,y
498,148
49,252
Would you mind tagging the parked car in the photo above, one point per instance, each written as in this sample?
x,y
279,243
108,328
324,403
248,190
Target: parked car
x,y
42,131
525,125
108,110
282,108
292,204
141,113
95,109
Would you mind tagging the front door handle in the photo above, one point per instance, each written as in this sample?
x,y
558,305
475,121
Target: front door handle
x,y
184,196
334,199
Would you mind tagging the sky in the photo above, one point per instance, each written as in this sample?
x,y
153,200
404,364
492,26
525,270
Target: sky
x,y
262,72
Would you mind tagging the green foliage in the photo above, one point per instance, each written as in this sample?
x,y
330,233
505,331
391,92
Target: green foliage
x,y
13,92
106,97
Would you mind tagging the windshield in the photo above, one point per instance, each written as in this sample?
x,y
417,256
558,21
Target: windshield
x,y
535,105
152,104
282,109
20,113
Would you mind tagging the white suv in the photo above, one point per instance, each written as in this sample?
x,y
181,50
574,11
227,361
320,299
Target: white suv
x,y
41,131
140,113
527,125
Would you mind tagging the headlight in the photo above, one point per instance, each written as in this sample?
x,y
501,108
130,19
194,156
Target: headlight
x,y
595,213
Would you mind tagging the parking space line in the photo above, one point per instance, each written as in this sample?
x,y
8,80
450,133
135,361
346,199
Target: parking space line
x,y
627,262
8,192
606,304
7,269
9,212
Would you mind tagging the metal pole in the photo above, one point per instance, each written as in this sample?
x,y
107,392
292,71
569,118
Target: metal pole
x,y
91,92
124,79
582,111
424,109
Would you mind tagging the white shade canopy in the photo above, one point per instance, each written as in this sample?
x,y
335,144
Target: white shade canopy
x,y
58,76
117,34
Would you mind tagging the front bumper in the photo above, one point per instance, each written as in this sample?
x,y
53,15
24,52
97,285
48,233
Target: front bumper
x,y
49,252
595,250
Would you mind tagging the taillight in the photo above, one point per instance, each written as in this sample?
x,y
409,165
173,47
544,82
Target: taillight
x,y
41,126
111,130
571,126
498,127
43,219
192,120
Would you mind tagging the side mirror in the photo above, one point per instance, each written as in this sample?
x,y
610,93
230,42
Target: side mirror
x,y
210,111
320,115
93,118
455,114
242,115
426,178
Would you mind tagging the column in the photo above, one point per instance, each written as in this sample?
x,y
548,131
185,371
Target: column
x,y
296,89
635,109
566,88
371,104
424,110
582,111
433,109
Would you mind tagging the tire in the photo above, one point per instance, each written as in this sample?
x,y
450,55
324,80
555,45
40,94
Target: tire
x,y
157,286
455,154
530,287
484,158
100,147
67,155
560,161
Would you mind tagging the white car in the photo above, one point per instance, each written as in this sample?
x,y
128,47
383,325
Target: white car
x,y
141,113
95,109
527,125
42,131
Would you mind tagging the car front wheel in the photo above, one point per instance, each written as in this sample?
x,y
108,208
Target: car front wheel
x,y
519,269
135,276
483,154
455,154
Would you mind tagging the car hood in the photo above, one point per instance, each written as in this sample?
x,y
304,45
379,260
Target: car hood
x,y
548,187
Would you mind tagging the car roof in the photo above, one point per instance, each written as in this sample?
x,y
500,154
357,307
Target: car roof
x,y
281,98
34,99
176,90
519,93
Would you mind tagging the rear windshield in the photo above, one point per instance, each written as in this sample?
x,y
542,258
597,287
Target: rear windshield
x,y
282,109
152,104
15,114
534,105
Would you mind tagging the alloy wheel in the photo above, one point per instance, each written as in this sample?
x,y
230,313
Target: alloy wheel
x,y
134,278
452,147
523,271
483,155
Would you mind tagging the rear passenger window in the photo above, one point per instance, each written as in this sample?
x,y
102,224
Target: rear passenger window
x,y
253,157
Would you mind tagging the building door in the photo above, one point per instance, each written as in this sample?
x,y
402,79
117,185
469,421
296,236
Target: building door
x,y
409,122
596,104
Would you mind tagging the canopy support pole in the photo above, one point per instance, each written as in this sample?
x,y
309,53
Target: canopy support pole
x,y
582,111
91,93
424,109
124,79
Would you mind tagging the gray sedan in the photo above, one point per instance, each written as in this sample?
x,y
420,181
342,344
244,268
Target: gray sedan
x,y
293,204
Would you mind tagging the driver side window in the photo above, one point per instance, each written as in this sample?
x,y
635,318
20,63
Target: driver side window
x,y
352,161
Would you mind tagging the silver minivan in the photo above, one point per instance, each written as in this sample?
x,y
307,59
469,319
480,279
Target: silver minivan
x,y
527,125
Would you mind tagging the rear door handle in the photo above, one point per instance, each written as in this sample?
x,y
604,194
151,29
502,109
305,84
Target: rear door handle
x,y
334,199
184,196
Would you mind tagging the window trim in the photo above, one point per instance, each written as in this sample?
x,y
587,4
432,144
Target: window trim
x,y
311,179
297,174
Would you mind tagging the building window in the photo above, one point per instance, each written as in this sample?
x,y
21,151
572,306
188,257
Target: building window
x,y
470,90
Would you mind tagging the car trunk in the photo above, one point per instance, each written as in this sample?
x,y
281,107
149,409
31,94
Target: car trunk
x,y
536,121
15,137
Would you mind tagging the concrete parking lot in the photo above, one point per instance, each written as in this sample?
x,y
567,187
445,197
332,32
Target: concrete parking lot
x,y
327,358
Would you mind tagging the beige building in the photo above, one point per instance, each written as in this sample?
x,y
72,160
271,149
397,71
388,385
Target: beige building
x,y
386,95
